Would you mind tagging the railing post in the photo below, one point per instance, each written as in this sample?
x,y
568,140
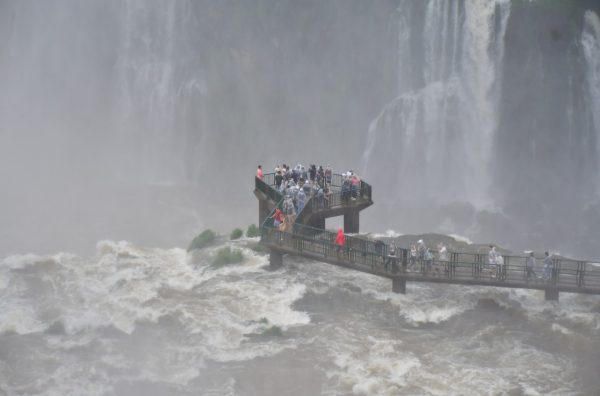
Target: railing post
x,y
351,222
551,294
453,261
555,270
580,273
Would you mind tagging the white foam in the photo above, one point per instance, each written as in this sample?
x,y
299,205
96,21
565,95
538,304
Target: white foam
x,y
20,261
388,234
460,238
19,318
370,366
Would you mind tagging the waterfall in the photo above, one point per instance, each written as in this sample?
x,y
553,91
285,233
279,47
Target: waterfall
x,y
590,41
158,75
436,135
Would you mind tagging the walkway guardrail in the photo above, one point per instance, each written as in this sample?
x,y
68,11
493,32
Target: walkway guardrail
x,y
373,256
563,274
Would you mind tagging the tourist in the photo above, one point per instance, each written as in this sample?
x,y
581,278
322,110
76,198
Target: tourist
x,y
496,262
307,189
340,241
530,267
421,249
355,186
428,257
278,177
277,218
259,172
492,254
312,172
289,210
391,257
547,266
443,257
413,257
346,187
328,174
300,199
320,198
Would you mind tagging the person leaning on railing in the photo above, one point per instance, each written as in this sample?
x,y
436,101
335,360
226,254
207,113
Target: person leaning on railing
x,y
277,218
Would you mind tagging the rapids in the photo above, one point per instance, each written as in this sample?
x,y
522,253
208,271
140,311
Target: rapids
x,y
134,320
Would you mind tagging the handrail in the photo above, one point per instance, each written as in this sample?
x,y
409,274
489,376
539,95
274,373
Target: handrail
x,y
563,273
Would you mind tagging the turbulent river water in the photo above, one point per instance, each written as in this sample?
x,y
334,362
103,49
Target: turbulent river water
x,y
134,320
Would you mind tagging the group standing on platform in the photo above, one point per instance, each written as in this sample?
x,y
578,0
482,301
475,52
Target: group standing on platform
x,y
300,183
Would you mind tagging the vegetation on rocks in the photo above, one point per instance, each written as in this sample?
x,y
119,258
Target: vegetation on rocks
x,y
227,255
252,231
236,234
206,238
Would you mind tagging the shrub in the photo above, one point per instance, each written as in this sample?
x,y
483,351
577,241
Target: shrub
x,y
236,234
228,256
252,231
203,240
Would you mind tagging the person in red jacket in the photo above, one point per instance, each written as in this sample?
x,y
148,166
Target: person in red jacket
x,y
277,218
259,172
340,241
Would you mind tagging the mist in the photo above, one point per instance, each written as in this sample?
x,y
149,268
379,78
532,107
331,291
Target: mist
x,y
129,126
145,120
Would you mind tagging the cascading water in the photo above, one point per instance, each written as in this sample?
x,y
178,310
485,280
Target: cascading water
x,y
590,41
436,136
159,78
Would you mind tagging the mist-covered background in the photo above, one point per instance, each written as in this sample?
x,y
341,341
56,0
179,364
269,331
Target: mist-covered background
x,y
145,120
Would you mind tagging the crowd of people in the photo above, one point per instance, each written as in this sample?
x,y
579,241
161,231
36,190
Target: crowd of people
x,y
300,183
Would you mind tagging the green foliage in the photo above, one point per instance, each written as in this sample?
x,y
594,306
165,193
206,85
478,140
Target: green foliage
x,y
236,234
228,256
252,231
203,240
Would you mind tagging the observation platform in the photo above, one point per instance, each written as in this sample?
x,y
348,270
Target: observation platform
x,y
309,238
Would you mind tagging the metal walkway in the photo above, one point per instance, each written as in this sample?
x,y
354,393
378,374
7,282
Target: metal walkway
x,y
373,257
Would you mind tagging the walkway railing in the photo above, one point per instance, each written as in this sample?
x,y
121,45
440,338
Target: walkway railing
x,y
373,256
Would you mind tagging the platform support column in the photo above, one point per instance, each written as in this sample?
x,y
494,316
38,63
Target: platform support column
x,y
275,259
263,211
551,294
351,222
399,285
318,222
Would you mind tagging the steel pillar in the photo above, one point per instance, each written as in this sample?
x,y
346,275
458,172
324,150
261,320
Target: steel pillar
x,y
399,285
551,294
275,259
317,222
351,222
